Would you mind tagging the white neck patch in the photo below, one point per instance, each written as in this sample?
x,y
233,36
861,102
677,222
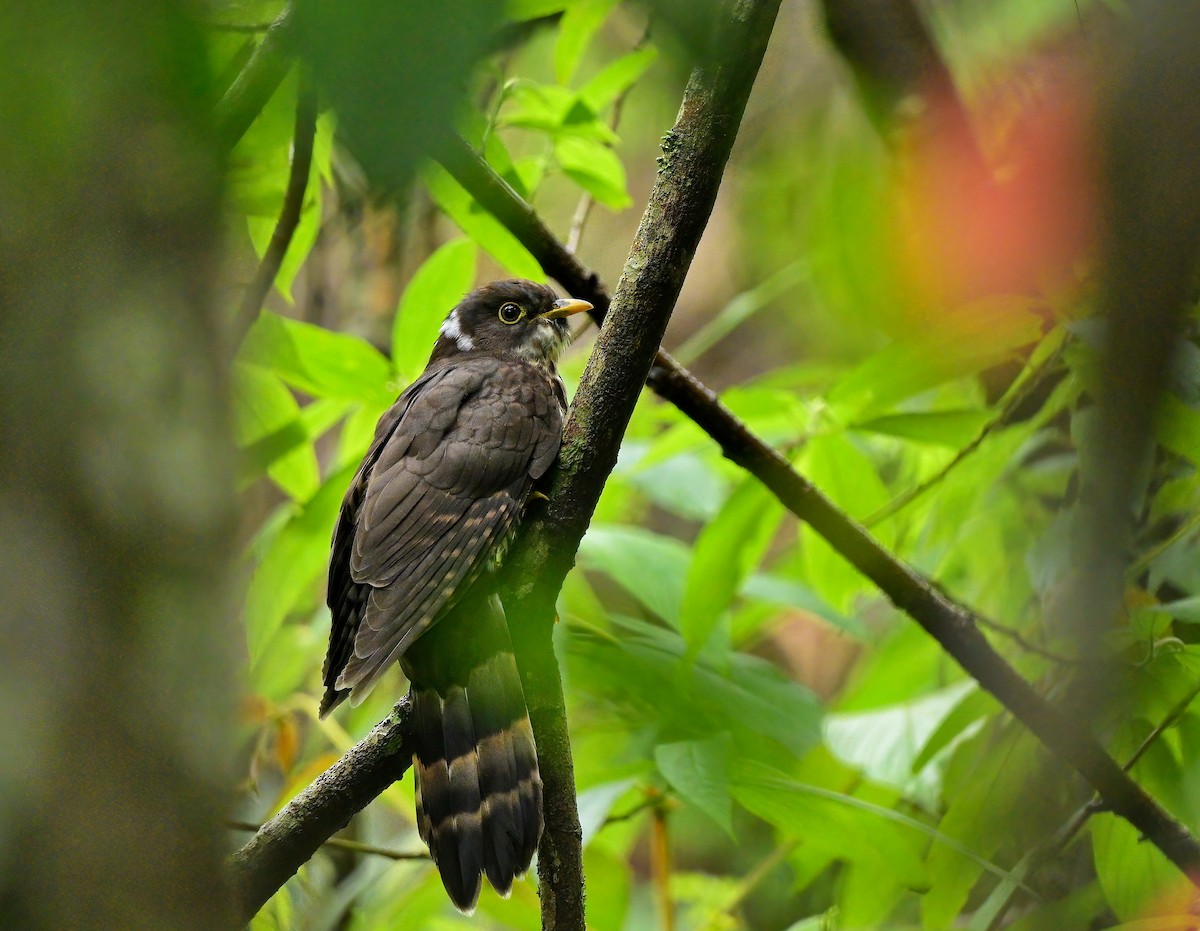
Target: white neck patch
x,y
451,330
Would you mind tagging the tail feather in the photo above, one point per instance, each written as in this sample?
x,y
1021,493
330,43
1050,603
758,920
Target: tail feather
x,y
478,788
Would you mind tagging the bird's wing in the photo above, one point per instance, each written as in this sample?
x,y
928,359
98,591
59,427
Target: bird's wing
x,y
440,491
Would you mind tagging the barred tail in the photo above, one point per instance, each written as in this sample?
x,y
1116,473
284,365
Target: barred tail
x,y
479,794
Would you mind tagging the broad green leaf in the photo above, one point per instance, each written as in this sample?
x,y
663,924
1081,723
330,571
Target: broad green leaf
x,y
641,669
686,485
792,594
264,407
977,337
293,563
885,743
945,428
1132,873
317,361
1178,428
437,286
982,811
973,706
615,78
579,23
651,567
699,771
843,826
304,237
489,234
596,804
1185,609
522,10
725,553
842,471
594,167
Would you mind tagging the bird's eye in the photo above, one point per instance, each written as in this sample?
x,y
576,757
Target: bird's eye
x,y
511,313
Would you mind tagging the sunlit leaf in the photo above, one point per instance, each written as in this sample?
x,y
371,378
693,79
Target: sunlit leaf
x,y
263,406
594,167
317,361
440,283
699,771
615,78
727,550
946,428
487,232
649,566
980,336
575,31
292,565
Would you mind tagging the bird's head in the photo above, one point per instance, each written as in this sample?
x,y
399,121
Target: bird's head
x,y
513,317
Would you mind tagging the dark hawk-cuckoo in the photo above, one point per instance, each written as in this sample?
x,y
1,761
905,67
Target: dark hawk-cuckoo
x,y
422,527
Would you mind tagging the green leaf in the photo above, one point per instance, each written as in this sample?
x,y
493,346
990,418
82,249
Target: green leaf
x,y
521,10
687,484
651,567
292,563
840,825
438,285
885,743
615,78
1178,428
264,408
791,594
944,428
488,233
1132,873
699,771
840,469
304,237
725,553
594,167
980,336
575,31
642,670
1185,609
317,361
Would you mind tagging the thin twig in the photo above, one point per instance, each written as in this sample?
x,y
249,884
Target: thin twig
x,y
1025,644
256,82
289,213
1139,565
290,838
660,868
345,843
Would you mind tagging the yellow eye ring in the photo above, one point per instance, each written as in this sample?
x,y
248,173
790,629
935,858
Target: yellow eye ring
x,y
510,313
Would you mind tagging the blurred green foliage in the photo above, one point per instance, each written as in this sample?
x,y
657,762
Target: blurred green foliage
x,y
815,760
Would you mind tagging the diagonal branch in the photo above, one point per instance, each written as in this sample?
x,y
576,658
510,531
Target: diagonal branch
x,y
287,841
289,214
954,626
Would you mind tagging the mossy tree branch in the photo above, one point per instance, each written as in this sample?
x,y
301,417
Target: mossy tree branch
x,y
695,152
288,840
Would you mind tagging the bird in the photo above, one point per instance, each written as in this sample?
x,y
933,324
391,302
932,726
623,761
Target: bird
x,y
412,574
